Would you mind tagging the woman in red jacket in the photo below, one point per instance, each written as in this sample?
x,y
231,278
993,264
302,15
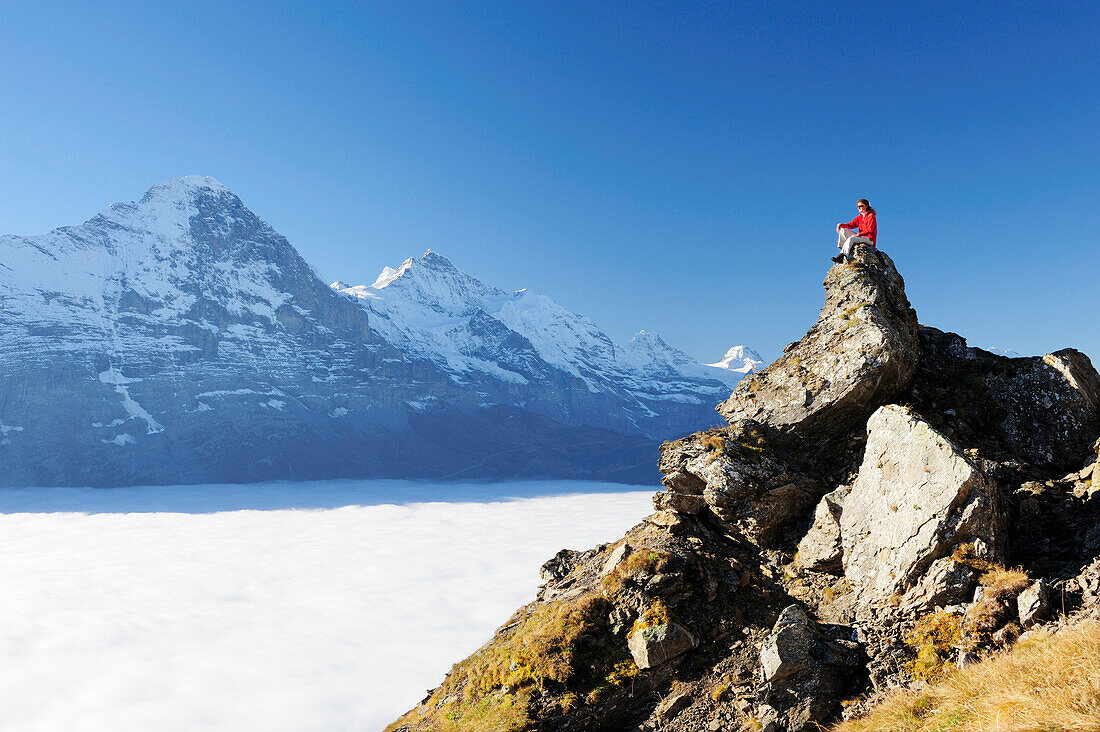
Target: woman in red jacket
x,y
863,229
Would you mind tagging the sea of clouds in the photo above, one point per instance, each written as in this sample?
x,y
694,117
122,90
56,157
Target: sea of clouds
x,y
315,606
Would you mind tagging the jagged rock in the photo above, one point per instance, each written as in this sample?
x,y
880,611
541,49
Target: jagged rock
x,y
762,518
1041,411
685,503
861,353
820,549
916,497
947,582
1089,582
742,484
617,555
672,705
659,644
786,651
1033,603
804,670
1078,372
562,563
665,519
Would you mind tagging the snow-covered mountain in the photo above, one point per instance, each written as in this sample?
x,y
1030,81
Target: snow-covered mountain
x,y
180,339
740,360
523,348
1006,352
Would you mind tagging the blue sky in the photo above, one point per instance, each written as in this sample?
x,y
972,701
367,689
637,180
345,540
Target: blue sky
x,y
677,167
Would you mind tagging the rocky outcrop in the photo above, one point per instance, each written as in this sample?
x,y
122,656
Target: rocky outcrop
x,y
733,474
861,353
946,582
846,533
1033,603
916,498
1039,413
658,644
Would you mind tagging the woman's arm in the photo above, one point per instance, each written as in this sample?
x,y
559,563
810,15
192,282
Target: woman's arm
x,y
869,227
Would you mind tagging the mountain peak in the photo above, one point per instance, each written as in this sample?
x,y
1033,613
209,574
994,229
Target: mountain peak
x,y
436,260
740,359
184,187
649,339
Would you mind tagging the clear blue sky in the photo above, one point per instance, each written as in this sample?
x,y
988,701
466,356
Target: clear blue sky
x,y
678,167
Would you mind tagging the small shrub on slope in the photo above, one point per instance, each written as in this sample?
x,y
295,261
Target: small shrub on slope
x,y
641,561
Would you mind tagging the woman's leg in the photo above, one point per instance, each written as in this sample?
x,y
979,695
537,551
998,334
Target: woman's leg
x,y
851,243
843,235
845,242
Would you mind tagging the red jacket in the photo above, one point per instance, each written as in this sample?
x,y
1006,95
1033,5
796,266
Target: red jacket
x,y
867,225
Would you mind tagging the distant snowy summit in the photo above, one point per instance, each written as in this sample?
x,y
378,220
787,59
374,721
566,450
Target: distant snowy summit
x,y
181,339
740,360
1006,352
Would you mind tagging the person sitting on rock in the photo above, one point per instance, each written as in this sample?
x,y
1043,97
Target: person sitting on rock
x,y
863,229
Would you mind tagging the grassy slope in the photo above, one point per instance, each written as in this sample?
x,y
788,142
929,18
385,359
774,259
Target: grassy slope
x,y
1049,682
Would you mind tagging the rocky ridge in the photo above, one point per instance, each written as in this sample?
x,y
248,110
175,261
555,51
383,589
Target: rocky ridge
x,y
847,533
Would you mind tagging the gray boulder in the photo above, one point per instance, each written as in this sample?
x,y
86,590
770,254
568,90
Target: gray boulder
x,y
820,549
787,650
861,353
659,644
1040,410
806,669
1033,603
916,497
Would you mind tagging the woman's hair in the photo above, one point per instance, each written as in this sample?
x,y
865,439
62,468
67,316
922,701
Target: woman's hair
x,y
866,203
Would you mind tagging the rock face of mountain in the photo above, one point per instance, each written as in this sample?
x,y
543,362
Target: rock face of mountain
x,y
180,339
847,533
523,349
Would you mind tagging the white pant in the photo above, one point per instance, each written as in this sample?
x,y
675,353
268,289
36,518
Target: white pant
x,y
848,239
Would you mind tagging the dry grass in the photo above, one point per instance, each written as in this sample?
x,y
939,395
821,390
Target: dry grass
x,y
964,554
1044,683
935,639
1001,583
641,561
713,441
996,607
622,673
490,690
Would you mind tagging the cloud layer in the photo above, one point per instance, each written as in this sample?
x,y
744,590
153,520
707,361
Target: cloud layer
x,y
279,619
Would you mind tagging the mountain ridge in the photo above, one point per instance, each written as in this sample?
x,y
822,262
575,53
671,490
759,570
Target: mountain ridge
x,y
504,342
181,339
